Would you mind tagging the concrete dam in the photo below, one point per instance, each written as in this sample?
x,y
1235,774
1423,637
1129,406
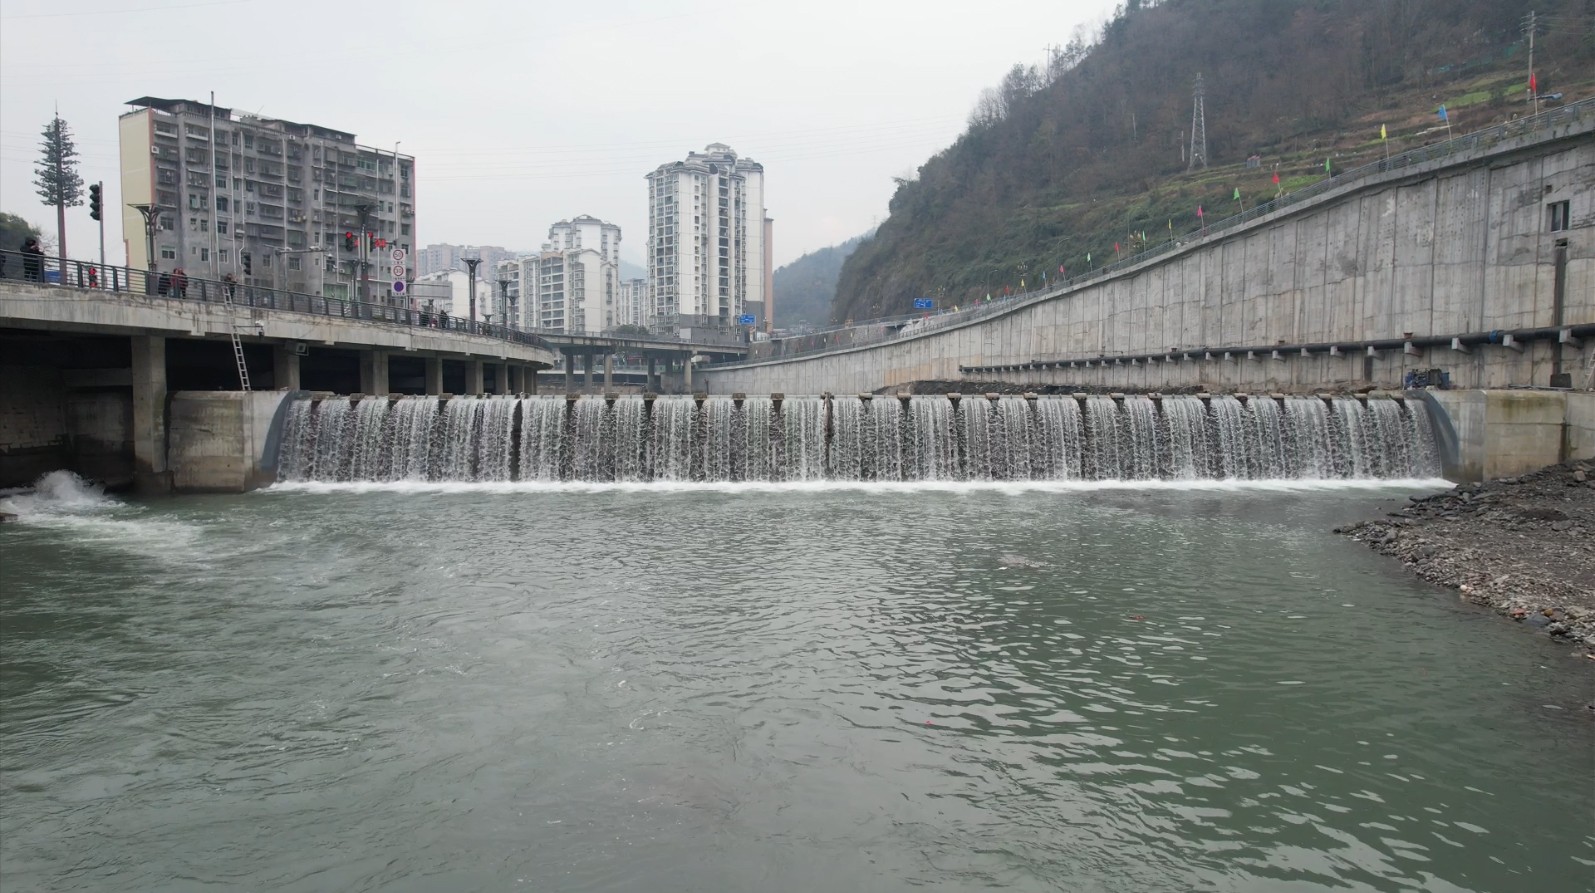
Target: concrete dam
x,y
923,438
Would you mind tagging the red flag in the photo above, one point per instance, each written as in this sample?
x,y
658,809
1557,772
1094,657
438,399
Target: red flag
x,y
1276,178
1198,210
1115,247
1534,85
1060,268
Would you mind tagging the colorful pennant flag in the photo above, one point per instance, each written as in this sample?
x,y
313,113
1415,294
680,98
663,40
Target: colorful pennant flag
x,y
1198,212
1237,193
1534,84
1327,168
1382,134
1060,270
1443,114
1276,178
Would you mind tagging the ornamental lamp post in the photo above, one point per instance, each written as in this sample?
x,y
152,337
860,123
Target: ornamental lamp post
x,y
471,264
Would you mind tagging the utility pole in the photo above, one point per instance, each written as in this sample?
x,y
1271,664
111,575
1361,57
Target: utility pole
x,y
365,260
1531,24
1198,126
504,303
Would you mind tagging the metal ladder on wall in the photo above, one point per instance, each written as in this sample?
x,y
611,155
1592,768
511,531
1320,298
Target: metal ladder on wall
x,y
232,329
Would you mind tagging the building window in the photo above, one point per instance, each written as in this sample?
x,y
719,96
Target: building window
x,y
293,261
166,222
221,227
1561,218
204,255
168,254
221,256
221,203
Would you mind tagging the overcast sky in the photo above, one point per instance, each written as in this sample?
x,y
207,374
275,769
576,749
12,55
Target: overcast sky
x,y
520,114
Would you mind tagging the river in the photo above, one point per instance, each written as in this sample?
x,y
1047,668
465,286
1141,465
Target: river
x,y
864,687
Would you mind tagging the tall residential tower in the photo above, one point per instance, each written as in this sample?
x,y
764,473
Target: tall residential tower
x,y
706,234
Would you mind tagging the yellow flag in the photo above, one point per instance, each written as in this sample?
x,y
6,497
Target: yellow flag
x,y
1382,134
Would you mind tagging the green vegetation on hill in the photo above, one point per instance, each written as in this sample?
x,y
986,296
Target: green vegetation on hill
x,y
806,287
1067,160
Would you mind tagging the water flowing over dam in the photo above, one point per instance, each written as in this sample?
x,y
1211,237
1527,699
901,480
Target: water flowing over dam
x,y
852,438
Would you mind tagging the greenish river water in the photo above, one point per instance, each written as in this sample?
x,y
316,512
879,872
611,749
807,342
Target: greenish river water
x,y
483,687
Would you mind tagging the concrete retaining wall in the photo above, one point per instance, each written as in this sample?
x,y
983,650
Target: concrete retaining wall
x,y
1506,433
1455,247
221,441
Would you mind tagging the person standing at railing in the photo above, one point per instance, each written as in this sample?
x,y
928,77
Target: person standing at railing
x,y
32,259
179,283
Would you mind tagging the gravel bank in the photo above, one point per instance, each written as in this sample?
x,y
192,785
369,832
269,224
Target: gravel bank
x,y
1524,546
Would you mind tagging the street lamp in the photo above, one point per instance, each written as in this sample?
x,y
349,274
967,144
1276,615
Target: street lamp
x,y
150,213
470,263
504,301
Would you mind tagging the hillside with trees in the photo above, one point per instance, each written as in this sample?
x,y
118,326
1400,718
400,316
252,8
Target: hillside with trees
x,y
1085,156
806,287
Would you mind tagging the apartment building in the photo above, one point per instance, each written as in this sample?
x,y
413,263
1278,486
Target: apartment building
x,y
573,284
586,232
632,307
437,257
707,230
275,203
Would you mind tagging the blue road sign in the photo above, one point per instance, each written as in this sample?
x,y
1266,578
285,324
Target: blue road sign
x,y
745,319
924,304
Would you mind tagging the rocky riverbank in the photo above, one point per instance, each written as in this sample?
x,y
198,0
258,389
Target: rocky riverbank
x,y
1524,546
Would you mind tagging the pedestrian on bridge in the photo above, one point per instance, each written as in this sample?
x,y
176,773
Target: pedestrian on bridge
x,y
32,259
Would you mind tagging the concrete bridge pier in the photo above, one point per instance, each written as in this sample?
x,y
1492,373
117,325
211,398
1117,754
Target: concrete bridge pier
x,y
653,375
285,368
473,377
532,376
609,372
587,367
501,378
434,375
374,372
150,474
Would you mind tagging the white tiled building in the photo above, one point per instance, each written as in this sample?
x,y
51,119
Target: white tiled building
x,y
632,307
706,239
573,284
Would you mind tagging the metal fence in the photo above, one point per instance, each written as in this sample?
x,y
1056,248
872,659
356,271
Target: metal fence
x,y
890,328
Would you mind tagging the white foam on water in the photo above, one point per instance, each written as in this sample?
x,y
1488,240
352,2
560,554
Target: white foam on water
x,y
54,494
1009,487
62,500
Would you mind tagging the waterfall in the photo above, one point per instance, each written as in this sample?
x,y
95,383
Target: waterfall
x,y
850,438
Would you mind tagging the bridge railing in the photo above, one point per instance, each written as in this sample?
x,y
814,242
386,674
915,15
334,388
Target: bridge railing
x,y
889,328
87,275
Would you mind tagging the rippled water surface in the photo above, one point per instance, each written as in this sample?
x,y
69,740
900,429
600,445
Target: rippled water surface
x,y
592,689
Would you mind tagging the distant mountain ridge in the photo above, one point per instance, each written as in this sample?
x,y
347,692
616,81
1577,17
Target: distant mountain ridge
x,y
806,287
1076,162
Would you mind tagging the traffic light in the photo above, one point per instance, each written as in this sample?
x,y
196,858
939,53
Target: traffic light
x,y
249,265
348,241
94,201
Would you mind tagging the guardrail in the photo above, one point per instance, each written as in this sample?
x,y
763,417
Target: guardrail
x,y
890,328
86,275
48,270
